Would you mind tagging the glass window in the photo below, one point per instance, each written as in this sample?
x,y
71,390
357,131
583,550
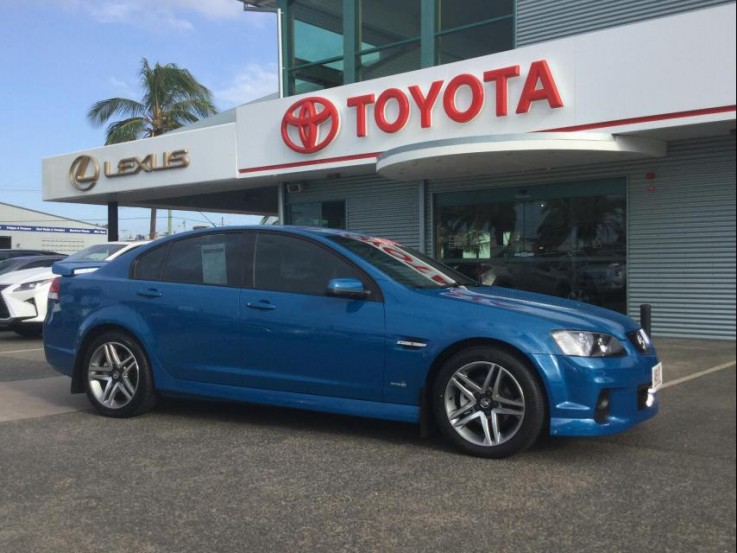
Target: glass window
x,y
97,252
389,38
454,14
564,240
309,78
318,214
382,23
473,28
312,43
40,263
476,41
149,265
402,264
390,61
214,259
289,264
315,45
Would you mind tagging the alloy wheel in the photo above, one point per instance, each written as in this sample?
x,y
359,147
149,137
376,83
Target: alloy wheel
x,y
484,403
113,374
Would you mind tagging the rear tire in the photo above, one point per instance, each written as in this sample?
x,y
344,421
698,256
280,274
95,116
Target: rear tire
x,y
488,402
117,376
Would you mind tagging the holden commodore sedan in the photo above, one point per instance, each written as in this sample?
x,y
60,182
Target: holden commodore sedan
x,y
335,321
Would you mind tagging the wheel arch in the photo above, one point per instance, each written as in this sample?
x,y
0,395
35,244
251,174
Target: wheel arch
x,y
426,416
91,335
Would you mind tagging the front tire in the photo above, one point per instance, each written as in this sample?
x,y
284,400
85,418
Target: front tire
x,y
488,402
117,376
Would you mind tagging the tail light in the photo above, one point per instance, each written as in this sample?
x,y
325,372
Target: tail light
x,y
55,289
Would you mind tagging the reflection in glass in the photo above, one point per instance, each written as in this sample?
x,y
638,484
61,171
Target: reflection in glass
x,y
475,41
559,240
315,45
453,14
318,214
390,61
382,23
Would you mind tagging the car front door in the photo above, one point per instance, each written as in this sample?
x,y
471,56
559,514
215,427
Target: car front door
x,y
299,339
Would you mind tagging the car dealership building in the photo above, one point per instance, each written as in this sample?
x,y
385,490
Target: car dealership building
x,y
579,148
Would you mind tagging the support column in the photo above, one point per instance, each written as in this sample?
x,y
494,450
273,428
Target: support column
x,y
112,221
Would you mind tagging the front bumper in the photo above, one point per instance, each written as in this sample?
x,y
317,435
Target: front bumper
x,y
22,306
576,386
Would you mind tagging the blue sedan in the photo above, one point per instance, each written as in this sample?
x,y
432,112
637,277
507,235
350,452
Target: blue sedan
x,y
335,321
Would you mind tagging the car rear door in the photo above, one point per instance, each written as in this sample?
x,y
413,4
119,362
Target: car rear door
x,y
187,293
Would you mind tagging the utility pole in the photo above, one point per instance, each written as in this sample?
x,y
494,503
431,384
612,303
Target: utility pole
x,y
152,226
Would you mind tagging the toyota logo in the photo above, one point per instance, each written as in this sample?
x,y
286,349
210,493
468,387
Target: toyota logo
x,y
84,173
310,125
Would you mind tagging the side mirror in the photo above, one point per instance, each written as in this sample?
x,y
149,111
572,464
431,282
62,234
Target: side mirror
x,y
347,288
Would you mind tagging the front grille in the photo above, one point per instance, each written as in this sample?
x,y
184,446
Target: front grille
x,y
4,313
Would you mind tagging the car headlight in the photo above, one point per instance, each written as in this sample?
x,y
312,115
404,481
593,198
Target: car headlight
x,y
32,285
587,344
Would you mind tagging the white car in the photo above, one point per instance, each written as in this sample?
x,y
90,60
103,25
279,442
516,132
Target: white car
x,y
23,294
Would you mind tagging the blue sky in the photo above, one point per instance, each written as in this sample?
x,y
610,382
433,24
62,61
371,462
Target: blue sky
x,y
58,57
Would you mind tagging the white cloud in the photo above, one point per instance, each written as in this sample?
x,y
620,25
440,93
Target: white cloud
x,y
253,82
171,14
123,89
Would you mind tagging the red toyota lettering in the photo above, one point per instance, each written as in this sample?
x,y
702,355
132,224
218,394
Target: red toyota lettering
x,y
400,98
477,98
500,77
360,103
426,103
539,72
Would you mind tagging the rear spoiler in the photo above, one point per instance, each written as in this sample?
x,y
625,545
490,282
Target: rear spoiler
x,y
71,269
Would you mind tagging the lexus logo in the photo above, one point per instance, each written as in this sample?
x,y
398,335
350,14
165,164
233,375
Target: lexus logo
x,y
84,172
310,125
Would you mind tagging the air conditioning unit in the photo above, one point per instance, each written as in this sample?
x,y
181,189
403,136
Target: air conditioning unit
x,y
294,187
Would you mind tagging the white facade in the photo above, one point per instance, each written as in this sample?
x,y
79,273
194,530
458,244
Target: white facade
x,y
629,89
22,228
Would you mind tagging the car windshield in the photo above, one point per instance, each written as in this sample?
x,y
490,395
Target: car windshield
x,y
98,252
403,264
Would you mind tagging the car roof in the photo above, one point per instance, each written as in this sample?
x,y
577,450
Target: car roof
x,y
11,253
288,229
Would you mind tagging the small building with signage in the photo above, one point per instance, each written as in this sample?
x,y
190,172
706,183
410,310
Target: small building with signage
x,y
22,228
560,147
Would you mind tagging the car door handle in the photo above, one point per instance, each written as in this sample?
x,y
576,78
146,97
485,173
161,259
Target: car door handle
x,y
150,293
261,305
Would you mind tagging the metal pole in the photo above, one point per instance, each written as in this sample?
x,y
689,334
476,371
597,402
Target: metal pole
x,y
112,221
646,315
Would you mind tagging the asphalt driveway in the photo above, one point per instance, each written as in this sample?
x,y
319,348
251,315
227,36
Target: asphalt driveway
x,y
205,476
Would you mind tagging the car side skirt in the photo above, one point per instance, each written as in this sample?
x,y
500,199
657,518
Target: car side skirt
x,y
325,404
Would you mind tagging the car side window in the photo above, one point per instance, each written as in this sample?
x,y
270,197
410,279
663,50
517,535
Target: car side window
x,y
213,259
288,264
40,263
150,264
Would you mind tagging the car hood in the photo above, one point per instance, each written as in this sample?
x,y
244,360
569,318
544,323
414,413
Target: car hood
x,y
14,277
561,313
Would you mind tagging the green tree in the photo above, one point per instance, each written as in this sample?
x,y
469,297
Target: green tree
x,y
172,97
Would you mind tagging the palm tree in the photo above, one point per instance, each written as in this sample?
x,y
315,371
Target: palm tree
x,y
172,97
